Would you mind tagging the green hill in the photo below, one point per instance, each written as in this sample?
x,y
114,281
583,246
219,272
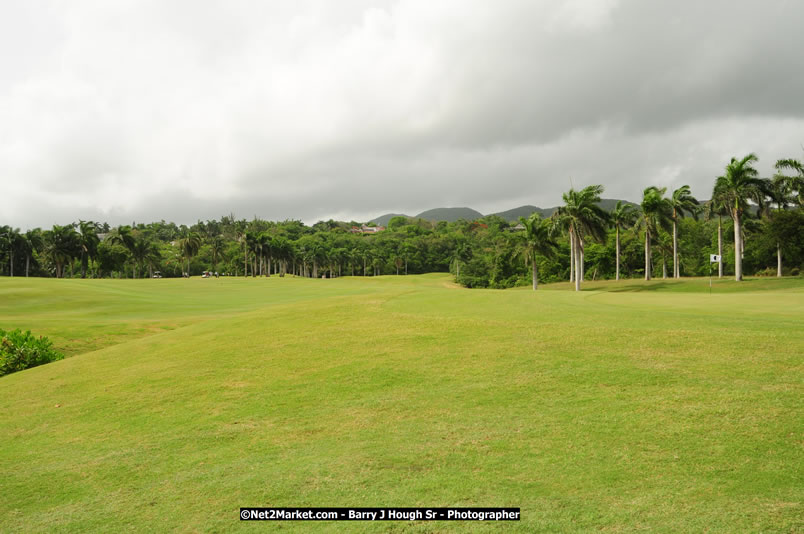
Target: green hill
x,y
454,214
382,220
523,211
450,214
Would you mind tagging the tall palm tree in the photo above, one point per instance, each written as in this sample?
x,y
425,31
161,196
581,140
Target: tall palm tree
x,y
621,215
537,240
779,190
216,246
656,213
262,245
280,247
32,242
124,236
88,242
717,207
250,239
61,246
582,217
241,228
682,202
12,240
739,184
188,246
144,251
665,244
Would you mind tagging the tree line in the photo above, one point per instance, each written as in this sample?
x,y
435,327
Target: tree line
x,y
755,224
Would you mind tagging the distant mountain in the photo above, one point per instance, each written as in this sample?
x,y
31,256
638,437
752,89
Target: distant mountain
x,y
450,214
609,203
523,211
512,215
382,220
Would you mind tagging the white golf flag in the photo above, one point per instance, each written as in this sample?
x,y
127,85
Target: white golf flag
x,y
714,258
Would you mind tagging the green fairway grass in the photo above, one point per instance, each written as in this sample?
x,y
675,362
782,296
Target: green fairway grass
x,y
631,406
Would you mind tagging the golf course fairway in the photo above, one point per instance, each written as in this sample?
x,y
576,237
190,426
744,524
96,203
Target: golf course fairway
x,y
630,406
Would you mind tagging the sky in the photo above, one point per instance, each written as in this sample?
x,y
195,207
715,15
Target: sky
x,y
141,110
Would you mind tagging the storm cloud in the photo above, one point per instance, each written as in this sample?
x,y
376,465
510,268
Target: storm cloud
x,y
147,110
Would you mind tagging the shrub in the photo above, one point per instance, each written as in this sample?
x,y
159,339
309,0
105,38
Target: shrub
x,y
20,350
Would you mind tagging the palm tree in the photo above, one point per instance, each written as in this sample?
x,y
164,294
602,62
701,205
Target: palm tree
x,y
188,246
282,252
582,217
152,257
796,182
739,184
61,246
216,245
717,207
12,239
123,235
88,242
32,242
682,202
250,240
538,240
621,215
665,244
262,245
780,192
144,251
656,213
240,233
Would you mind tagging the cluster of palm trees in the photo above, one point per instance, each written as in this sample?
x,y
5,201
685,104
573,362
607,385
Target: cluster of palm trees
x,y
740,187
60,245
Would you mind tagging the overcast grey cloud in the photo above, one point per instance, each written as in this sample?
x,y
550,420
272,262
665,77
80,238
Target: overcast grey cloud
x,y
145,110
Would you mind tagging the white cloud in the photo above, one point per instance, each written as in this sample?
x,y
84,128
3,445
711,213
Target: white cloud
x,y
186,110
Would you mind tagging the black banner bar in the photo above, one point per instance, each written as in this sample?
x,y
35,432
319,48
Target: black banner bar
x,y
379,514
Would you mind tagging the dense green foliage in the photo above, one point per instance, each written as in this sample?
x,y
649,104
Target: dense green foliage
x,y
22,350
664,236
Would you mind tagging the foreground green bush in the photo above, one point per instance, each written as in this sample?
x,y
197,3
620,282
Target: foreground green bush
x,y
20,350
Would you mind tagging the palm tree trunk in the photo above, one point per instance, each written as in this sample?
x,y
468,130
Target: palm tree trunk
x,y
245,263
676,270
647,254
315,269
406,266
572,256
581,270
738,256
778,259
664,267
617,277
27,264
11,262
720,247
577,262
535,273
